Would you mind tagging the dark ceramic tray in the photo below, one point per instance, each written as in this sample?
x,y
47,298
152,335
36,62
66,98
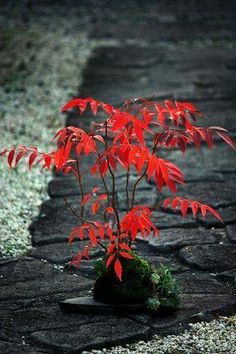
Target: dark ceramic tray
x,y
89,305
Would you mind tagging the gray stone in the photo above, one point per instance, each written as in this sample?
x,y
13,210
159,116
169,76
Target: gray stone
x,y
42,280
39,318
13,348
177,238
62,253
228,275
231,232
90,336
214,258
170,220
68,186
204,164
200,283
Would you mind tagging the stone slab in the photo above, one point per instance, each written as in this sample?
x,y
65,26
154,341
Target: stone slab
x,y
231,232
111,332
173,239
62,253
213,258
44,280
165,220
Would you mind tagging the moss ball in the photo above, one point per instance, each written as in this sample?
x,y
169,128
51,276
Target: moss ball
x,y
141,283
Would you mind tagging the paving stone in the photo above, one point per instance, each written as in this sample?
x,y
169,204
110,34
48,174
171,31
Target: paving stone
x,y
33,286
14,348
169,220
195,164
55,221
197,72
61,253
177,238
200,283
45,318
112,331
228,275
156,28
194,307
25,269
231,232
146,196
214,258
64,187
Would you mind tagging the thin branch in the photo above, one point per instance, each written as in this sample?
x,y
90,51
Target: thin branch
x,y
81,187
127,189
113,184
82,220
76,214
141,177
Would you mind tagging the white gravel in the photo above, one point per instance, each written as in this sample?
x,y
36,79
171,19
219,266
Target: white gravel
x,y
218,336
41,63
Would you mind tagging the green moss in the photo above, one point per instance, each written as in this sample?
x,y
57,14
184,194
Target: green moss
x,y
141,283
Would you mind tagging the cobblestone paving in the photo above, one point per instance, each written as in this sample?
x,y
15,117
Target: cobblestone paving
x,y
201,253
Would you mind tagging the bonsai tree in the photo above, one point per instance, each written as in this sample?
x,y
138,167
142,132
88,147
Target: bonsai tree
x,y
130,138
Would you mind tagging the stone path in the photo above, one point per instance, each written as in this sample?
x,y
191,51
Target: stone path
x,y
201,253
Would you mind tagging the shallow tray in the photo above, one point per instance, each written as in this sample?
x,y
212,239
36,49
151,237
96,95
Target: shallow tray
x,y
87,304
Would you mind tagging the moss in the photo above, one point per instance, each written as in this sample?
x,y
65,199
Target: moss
x,y
141,283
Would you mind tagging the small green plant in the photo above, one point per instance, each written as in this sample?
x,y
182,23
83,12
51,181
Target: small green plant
x,y
142,283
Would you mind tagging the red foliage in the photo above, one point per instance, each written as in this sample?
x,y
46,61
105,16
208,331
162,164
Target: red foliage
x,y
130,137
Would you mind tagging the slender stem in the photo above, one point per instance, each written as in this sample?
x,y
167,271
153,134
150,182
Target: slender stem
x,y
136,183
106,188
81,187
82,220
127,189
113,185
141,177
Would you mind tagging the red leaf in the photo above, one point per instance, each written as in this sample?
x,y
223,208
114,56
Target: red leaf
x,y
194,206
3,152
227,139
214,212
92,236
85,199
124,246
99,138
166,202
95,207
184,207
10,157
110,259
19,156
126,255
118,269
94,106
32,159
110,210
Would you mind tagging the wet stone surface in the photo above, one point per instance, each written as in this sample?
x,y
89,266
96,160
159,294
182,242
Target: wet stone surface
x,y
167,60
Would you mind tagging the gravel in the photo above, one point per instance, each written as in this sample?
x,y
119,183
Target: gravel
x,y
42,56
218,336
